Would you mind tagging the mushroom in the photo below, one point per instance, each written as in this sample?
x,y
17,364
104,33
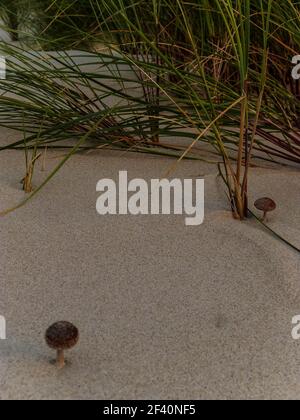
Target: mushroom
x,y
61,336
266,205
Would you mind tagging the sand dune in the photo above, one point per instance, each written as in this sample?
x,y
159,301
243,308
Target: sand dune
x,y
164,310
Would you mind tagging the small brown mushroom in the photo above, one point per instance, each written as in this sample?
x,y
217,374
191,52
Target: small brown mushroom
x,y
61,336
266,205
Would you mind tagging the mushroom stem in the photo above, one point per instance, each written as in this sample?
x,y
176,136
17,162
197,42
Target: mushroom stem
x,y
60,359
264,218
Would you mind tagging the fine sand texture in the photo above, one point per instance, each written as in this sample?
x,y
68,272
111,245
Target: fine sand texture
x,y
164,311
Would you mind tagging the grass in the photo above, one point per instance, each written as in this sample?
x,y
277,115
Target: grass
x,y
19,18
216,73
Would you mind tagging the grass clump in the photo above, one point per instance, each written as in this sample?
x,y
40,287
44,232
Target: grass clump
x,y
216,73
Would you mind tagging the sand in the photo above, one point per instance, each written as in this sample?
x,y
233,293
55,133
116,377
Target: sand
x,y
165,311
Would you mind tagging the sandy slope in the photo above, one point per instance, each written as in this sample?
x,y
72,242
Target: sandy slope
x,y
165,311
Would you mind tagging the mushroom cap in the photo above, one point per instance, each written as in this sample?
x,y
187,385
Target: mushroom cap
x,y
265,204
62,336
